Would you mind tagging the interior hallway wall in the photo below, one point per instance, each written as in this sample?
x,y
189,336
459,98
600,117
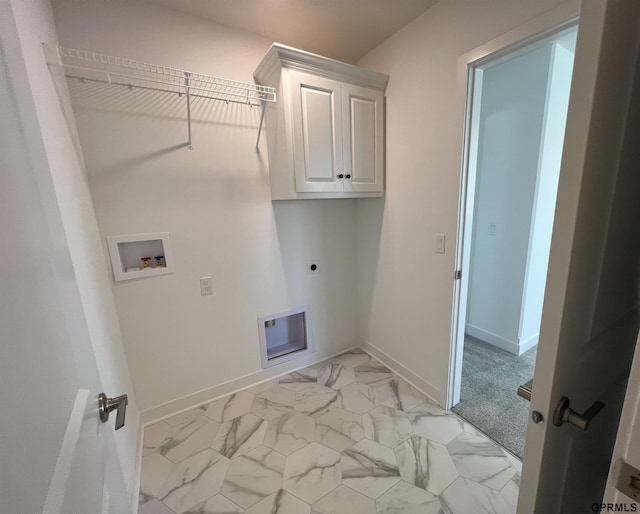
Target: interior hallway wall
x,y
512,112
555,121
214,201
405,289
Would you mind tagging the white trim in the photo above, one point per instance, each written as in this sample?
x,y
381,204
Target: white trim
x,y
425,387
62,470
286,56
465,219
542,27
493,339
184,403
334,195
514,347
529,342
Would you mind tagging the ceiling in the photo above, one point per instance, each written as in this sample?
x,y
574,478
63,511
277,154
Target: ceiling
x,y
342,29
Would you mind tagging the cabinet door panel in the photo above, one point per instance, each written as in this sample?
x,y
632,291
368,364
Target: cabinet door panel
x,y
362,138
318,136
316,127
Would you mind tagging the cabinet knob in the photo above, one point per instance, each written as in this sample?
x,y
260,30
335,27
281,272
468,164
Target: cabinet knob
x,y
347,176
341,175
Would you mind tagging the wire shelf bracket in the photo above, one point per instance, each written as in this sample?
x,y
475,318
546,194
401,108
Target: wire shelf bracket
x,y
106,69
264,106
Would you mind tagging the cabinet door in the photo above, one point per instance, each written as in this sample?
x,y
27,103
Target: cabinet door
x,y
317,125
362,139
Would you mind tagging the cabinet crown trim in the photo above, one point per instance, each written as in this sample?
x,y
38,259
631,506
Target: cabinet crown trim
x,y
280,55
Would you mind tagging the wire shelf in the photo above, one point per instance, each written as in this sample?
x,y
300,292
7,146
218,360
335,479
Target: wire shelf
x,y
94,66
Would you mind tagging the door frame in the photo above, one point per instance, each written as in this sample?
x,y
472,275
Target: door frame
x,y
537,30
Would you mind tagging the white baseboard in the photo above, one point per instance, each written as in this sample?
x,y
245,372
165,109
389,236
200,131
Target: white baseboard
x,y
425,387
528,343
514,347
493,339
165,410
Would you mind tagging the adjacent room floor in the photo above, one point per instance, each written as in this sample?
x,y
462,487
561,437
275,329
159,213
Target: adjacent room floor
x,y
343,436
490,379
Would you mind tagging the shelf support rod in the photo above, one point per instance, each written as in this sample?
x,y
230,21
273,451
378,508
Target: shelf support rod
x,y
188,95
264,106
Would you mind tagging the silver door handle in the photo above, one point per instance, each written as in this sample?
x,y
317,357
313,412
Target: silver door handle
x,y
565,414
106,405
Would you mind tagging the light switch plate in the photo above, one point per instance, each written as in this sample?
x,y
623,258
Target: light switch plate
x,y
440,243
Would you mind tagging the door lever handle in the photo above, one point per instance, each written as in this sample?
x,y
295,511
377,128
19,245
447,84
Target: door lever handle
x,y
565,414
106,405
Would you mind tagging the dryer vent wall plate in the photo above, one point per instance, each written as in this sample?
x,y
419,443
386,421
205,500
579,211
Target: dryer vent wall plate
x,y
285,336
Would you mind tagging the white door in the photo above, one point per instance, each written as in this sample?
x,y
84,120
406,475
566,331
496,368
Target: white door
x,y
362,122
55,454
590,317
317,125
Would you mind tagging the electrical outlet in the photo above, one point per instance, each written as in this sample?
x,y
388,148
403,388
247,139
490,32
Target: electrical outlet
x,y
314,267
493,229
206,286
440,243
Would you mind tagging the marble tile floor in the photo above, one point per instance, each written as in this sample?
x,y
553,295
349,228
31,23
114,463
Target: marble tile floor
x,y
345,436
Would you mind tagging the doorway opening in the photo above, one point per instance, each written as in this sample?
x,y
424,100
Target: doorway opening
x,y
516,116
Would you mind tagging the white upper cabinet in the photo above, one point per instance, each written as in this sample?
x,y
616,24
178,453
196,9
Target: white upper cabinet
x,y
325,133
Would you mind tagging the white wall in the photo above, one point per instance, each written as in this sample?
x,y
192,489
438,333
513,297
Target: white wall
x,y
561,69
510,129
214,200
405,290
36,25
